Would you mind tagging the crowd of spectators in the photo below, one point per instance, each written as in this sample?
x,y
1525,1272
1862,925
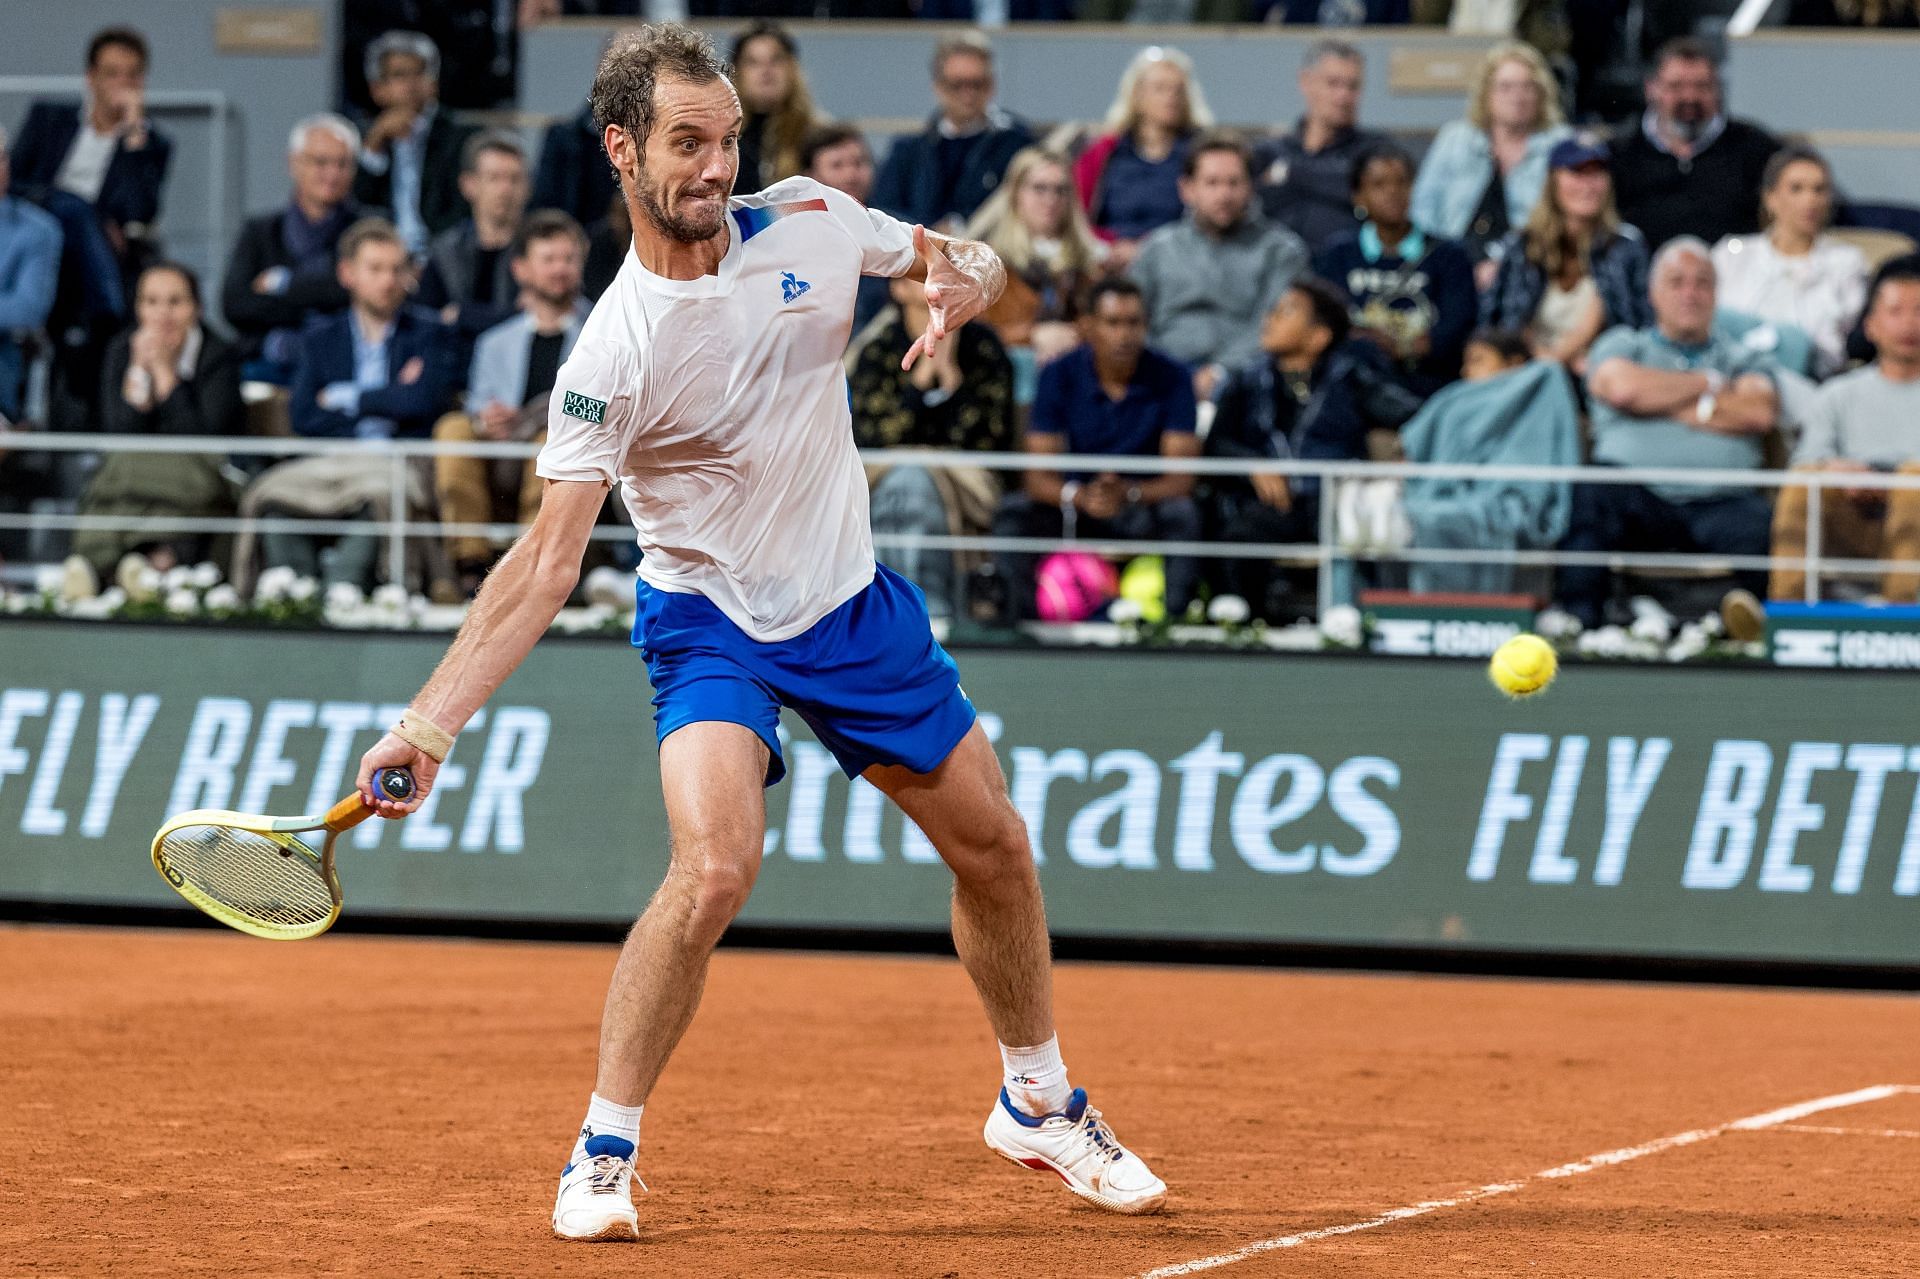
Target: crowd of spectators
x,y
1175,289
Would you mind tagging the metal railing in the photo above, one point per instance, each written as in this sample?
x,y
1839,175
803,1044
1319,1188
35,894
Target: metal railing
x,y
398,527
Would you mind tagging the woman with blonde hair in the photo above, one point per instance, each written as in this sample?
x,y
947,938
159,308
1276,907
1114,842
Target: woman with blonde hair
x,y
776,107
1483,175
1793,272
1040,231
1575,270
1129,177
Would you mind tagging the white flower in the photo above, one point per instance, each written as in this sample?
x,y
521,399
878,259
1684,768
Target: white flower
x,y
143,583
1556,623
302,589
97,609
16,604
113,599
608,585
1228,610
1343,625
1124,611
1713,626
1608,641
206,575
177,578
343,595
389,597
47,579
222,599
1653,628
274,584
183,602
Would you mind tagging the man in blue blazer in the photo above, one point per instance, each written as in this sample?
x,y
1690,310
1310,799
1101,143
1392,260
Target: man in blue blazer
x,y
949,170
380,369
98,167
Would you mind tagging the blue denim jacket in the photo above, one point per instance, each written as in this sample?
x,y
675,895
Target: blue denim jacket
x,y
1619,268
1458,167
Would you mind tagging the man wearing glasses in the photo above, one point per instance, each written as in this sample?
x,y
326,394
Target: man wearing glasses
x,y
938,177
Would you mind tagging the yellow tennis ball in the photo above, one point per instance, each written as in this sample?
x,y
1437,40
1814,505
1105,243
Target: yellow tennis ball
x,y
1523,666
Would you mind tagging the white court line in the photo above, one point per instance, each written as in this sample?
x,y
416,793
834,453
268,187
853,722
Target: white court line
x,y
1769,1119
1852,1132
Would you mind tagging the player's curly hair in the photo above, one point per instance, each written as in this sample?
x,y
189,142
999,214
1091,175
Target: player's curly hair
x,y
637,61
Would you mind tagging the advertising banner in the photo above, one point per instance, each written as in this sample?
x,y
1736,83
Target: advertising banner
x,y
1690,812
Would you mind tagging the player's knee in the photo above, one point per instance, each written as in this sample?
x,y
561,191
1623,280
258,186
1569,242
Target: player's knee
x,y
721,888
994,853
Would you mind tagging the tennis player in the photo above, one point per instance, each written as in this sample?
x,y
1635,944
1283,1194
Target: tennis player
x,y
707,384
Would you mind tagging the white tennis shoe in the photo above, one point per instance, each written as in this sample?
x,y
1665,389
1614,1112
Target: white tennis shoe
x,y
595,1204
1076,1144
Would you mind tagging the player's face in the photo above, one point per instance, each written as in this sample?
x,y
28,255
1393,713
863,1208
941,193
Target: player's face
x,y
1893,321
847,167
690,159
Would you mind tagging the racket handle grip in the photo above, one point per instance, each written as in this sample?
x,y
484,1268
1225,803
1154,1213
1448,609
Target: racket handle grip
x,y
392,783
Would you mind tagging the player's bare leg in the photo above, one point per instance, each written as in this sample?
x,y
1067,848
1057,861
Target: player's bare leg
x,y
999,920
712,775
1000,932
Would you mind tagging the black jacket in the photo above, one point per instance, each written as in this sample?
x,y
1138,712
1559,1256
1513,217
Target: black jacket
x,y
441,204
574,173
908,185
262,245
131,191
1713,195
326,357
209,404
452,264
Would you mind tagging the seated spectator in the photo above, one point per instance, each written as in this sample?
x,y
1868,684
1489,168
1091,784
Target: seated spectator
x,y
1575,270
776,107
940,176
1128,178
469,273
379,370
1685,167
1793,272
574,175
1412,294
1483,175
512,373
1208,278
1298,400
29,270
168,375
98,167
1864,421
1304,175
1037,227
608,241
837,155
1116,397
1673,396
959,398
282,272
1491,352
410,154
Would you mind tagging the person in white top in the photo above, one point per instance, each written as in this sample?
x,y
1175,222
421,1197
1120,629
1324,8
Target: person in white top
x,y
1793,272
707,383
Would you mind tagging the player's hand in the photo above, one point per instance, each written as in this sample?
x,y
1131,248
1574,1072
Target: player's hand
x,y
391,752
953,297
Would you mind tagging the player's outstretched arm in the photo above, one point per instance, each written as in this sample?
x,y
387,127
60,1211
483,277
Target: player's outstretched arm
x,y
517,603
963,278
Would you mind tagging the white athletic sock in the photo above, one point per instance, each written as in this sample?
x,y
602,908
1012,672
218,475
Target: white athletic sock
x,y
1036,1078
607,1119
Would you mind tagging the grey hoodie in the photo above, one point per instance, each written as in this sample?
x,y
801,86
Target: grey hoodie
x,y
1206,296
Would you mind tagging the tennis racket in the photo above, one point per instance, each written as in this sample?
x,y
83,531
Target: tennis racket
x,y
251,873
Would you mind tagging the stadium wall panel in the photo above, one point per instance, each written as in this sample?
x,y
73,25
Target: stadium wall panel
x,y
1688,814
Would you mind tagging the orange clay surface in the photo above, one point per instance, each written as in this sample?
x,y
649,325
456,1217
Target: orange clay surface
x,y
199,1103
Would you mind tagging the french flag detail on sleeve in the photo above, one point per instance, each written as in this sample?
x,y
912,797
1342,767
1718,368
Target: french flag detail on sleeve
x,y
753,221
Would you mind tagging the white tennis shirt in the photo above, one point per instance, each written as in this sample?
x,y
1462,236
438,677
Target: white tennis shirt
x,y
719,405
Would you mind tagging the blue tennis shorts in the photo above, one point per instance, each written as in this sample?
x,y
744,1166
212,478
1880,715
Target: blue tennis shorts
x,y
868,678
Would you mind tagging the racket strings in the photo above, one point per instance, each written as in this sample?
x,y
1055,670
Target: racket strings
x,y
250,874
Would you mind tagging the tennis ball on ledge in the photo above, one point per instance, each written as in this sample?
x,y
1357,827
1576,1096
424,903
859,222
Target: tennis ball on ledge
x,y
1523,666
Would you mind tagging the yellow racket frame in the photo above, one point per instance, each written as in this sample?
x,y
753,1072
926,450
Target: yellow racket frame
x,y
343,816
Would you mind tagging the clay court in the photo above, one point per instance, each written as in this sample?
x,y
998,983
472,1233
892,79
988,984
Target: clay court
x,y
197,1103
